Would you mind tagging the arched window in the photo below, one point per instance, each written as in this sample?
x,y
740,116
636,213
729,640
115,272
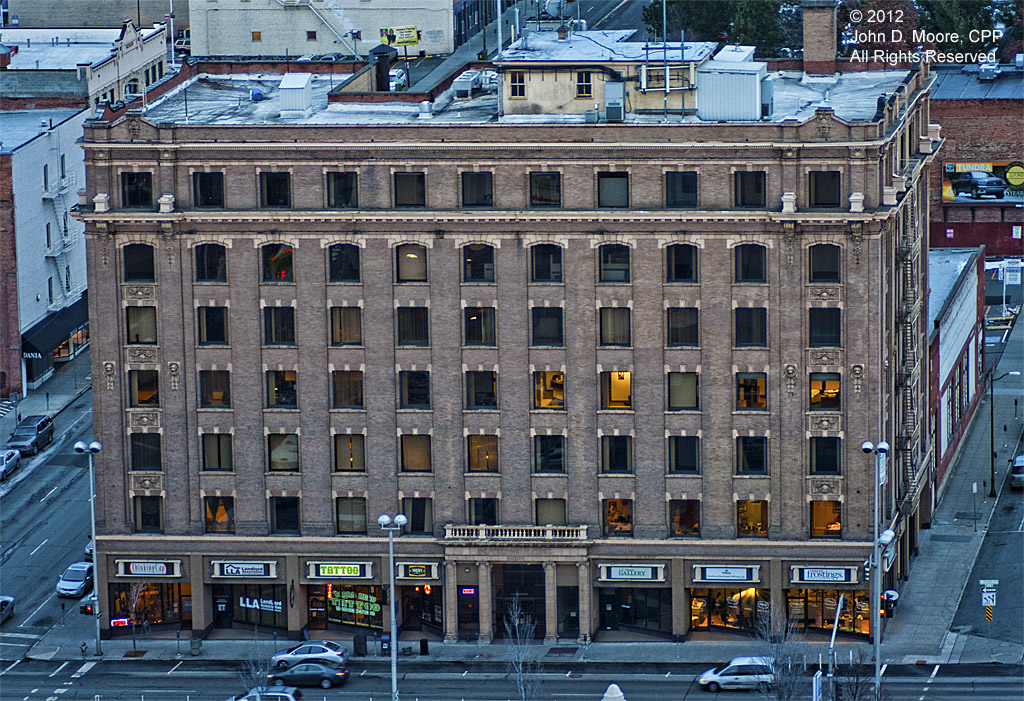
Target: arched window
x,y
824,263
751,263
411,263
681,263
614,262
211,263
344,262
478,263
547,263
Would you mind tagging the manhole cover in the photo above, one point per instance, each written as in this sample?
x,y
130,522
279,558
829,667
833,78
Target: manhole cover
x,y
561,651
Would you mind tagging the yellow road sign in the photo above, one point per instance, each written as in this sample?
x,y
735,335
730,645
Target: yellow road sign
x,y
988,613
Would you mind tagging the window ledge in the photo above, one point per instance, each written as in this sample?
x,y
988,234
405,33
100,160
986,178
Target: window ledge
x,y
213,345
414,410
682,282
344,282
277,282
753,475
549,474
348,409
683,474
478,346
749,412
484,473
267,346
296,473
686,348
427,473
546,410
616,474
215,408
548,347
550,283
687,410
357,346
281,408
481,410
609,346
215,472
222,283
624,412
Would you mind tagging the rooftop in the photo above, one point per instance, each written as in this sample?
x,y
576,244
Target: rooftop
x,y
602,46
61,48
944,268
18,127
961,83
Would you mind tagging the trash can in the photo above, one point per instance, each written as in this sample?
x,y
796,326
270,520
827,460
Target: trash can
x,y
385,644
424,646
195,646
359,645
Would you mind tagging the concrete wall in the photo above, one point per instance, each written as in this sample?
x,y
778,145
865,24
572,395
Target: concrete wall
x,y
43,84
95,13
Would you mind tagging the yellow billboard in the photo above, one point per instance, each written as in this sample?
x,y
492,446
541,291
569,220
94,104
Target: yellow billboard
x,y
400,36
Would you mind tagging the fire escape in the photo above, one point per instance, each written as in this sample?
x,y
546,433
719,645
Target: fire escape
x,y
909,303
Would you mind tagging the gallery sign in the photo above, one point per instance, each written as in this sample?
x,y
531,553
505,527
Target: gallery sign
x,y
263,569
822,575
727,573
148,568
340,570
630,573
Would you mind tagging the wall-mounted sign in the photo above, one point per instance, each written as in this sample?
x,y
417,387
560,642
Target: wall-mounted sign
x,y
340,570
631,573
264,569
830,575
727,573
259,604
991,182
399,36
417,570
468,591
148,568
32,356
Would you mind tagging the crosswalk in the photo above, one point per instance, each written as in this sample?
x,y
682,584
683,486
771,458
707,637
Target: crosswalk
x,y
6,407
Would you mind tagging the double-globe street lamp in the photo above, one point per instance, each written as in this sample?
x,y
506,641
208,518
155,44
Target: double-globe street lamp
x,y
883,539
92,449
992,431
391,525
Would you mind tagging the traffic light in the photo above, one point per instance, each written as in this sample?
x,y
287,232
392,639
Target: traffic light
x,y
86,608
866,571
883,607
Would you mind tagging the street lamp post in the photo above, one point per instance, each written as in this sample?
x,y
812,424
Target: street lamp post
x,y
391,526
992,431
92,449
877,478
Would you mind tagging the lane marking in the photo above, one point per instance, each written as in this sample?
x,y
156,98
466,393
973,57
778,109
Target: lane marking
x,y
60,691
45,541
83,669
29,636
934,672
881,672
49,493
32,615
12,666
176,666
57,671
607,14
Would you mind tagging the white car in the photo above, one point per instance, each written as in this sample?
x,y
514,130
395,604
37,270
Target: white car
x,y
740,673
76,580
88,551
397,80
9,462
6,607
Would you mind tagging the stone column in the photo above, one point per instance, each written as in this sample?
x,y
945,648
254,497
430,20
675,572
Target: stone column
x,y
297,608
680,599
202,610
485,597
451,604
550,603
777,586
586,619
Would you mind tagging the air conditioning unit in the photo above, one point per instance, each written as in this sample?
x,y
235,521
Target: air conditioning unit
x,y
614,101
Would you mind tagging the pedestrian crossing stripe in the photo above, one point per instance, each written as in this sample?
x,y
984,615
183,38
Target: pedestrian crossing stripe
x,y
988,613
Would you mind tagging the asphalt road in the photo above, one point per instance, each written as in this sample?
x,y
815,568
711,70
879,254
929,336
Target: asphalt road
x,y
613,14
44,527
201,680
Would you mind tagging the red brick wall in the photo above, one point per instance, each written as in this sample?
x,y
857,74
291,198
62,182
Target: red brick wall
x,y
10,336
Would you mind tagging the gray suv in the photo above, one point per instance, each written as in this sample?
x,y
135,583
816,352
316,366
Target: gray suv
x,y
32,434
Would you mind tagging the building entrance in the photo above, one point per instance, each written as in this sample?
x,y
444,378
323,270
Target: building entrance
x,y
523,584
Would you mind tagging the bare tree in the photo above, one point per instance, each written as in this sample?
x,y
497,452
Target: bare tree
x,y
778,641
256,665
523,667
135,591
855,681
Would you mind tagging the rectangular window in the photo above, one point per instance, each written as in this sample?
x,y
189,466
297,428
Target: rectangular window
x,y
614,263
481,390
824,263
684,455
617,515
144,387
752,518
414,389
220,514
342,190
217,455
282,389
415,453
482,453
549,453
343,263
616,454
751,327
477,190
684,517
284,452
548,390
517,84
547,263
137,190
750,188
208,189
613,190
751,455
284,515
145,451
346,326
257,36
824,188
683,391
413,329
545,189
483,512
616,390
275,190
410,190
279,326
825,325
348,389
310,35
584,88
825,519
211,263
46,177
480,326
141,326
420,513
683,328
478,263
348,453
751,391
149,514
547,326
681,189
825,454
215,389
825,391
681,263
351,516
550,512
213,326
614,326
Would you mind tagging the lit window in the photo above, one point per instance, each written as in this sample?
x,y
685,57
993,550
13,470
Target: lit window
x,y
616,390
752,518
618,517
751,391
348,453
479,326
517,84
825,391
411,263
825,519
482,453
144,388
215,389
220,514
548,390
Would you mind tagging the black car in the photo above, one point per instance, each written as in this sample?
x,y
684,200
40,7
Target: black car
x,y
977,183
34,432
322,673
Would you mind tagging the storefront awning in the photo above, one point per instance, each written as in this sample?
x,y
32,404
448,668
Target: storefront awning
x,y
57,328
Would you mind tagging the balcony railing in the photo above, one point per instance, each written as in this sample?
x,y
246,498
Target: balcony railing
x,y
515,533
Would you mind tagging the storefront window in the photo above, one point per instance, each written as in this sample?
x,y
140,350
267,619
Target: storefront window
x,y
641,609
422,608
738,609
347,604
260,604
158,604
816,608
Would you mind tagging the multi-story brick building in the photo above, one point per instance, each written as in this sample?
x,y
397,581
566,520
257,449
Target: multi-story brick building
x,y
623,369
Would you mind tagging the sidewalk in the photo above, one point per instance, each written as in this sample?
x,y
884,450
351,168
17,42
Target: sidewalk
x,y
70,381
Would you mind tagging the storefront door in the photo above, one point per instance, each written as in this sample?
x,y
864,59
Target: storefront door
x,y
422,608
568,612
223,606
609,602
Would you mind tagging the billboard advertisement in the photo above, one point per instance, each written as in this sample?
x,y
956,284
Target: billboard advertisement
x,y
399,36
977,182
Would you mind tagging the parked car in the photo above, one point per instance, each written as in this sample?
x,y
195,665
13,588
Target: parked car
x,y
6,607
977,183
740,673
88,551
323,673
285,693
316,650
34,432
398,80
1017,472
9,462
183,47
76,580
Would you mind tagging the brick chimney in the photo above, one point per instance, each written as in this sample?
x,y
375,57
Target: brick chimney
x,y
819,36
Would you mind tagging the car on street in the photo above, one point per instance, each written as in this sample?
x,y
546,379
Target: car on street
x,y
9,462
976,183
740,673
397,80
31,434
280,693
88,551
315,650
1017,472
322,673
183,47
76,580
6,607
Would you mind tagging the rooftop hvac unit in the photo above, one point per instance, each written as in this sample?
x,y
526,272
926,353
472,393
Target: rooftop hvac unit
x,y
614,101
730,91
591,116
296,94
466,83
767,97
